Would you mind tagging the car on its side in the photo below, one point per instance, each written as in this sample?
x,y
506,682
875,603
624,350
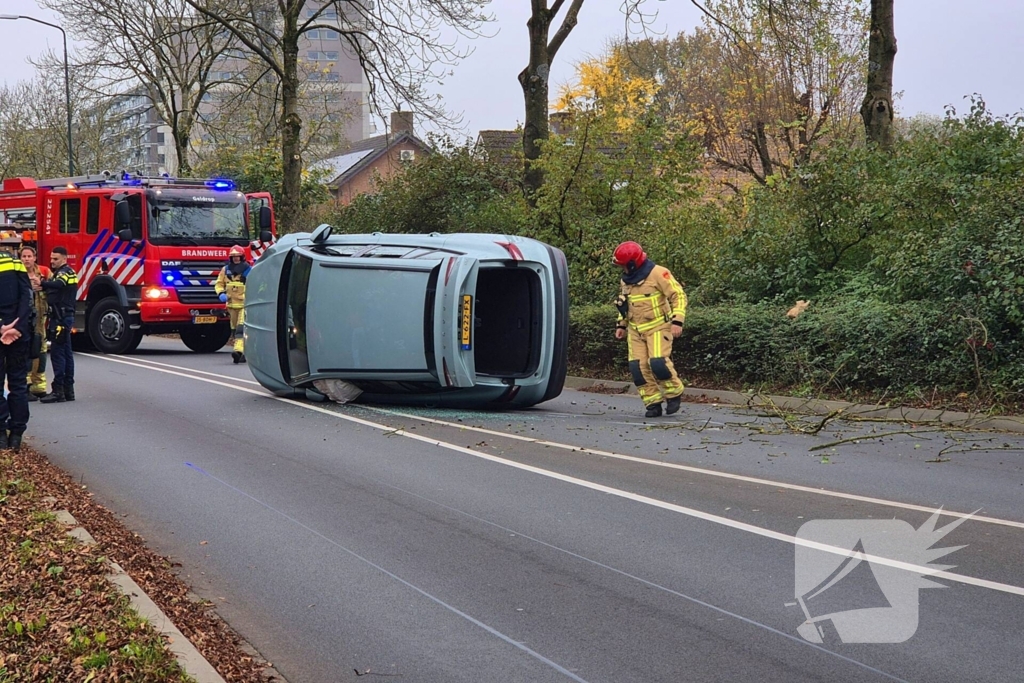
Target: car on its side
x,y
445,320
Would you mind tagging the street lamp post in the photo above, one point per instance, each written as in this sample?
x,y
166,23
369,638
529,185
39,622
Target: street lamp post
x,y
67,78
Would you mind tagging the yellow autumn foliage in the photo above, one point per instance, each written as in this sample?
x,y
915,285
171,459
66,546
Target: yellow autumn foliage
x,y
605,84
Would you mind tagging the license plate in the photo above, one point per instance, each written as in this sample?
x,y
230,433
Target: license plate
x,y
204,319
467,322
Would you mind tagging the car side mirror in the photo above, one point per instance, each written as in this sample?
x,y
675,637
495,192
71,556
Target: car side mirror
x,y
266,220
125,235
123,216
266,236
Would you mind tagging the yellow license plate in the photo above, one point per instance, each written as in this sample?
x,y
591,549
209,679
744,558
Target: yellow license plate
x,y
204,319
467,322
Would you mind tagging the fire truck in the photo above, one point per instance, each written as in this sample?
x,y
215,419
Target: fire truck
x,y
147,250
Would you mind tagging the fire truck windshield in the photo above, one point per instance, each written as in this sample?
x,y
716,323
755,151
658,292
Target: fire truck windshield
x,y
197,221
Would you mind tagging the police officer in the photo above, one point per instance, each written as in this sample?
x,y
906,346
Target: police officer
x,y
15,334
652,308
230,287
61,293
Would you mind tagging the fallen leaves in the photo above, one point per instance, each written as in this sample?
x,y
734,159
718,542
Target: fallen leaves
x,y
84,593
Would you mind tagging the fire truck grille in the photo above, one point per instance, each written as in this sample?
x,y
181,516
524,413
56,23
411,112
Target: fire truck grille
x,y
193,280
197,295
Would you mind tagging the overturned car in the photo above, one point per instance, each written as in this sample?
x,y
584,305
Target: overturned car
x,y
444,320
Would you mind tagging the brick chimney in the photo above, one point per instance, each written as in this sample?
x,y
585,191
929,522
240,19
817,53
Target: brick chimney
x,y
402,122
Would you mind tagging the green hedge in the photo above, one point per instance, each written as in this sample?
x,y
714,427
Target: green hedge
x,y
847,344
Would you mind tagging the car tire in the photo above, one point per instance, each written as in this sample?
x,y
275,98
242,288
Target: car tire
x,y
109,330
206,338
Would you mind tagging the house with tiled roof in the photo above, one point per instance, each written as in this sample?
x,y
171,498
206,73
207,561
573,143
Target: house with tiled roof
x,y
502,147
354,169
505,147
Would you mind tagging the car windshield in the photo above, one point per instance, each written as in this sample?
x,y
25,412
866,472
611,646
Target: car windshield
x,y
197,222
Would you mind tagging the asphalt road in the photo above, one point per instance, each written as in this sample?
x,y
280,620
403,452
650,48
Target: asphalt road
x,y
575,541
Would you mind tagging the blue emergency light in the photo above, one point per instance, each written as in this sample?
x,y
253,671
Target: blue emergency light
x,y
221,184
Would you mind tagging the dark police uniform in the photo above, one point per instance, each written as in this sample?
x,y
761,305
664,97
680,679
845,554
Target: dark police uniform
x,y
15,303
61,293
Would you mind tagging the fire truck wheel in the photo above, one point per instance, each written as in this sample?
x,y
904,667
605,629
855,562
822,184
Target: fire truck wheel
x,y
206,338
108,328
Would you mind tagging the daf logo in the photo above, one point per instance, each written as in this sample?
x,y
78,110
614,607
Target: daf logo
x,y
203,199
170,263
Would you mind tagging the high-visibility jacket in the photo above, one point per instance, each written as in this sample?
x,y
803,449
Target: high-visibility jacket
x,y
61,292
15,293
231,281
653,302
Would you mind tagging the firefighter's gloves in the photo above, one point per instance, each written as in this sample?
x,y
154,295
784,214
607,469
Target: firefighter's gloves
x,y
223,297
622,306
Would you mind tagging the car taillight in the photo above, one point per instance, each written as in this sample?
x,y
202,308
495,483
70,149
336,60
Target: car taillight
x,y
512,250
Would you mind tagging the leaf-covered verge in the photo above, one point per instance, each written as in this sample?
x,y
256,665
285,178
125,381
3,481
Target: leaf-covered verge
x,y
61,620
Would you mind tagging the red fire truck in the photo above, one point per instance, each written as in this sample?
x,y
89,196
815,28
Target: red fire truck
x,y
147,250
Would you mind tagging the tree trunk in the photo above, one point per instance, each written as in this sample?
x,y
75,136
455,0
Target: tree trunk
x,y
876,109
181,138
291,127
534,81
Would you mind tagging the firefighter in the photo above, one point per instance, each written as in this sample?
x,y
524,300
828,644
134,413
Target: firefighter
x,y
15,336
230,287
36,274
61,293
652,307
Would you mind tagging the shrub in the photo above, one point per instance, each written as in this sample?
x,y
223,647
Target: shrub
x,y
844,344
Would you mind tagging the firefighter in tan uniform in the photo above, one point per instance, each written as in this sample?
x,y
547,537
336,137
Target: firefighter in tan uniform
x,y
230,287
652,307
36,274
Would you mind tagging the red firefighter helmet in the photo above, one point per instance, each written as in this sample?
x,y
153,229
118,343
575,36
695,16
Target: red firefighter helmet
x,y
236,251
629,255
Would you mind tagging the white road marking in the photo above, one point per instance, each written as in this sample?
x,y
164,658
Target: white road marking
x,y
655,463
700,470
690,512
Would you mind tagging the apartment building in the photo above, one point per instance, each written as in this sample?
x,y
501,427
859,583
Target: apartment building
x,y
134,135
334,92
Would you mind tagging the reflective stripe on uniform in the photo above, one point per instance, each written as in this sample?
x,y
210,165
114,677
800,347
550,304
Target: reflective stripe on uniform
x,y
9,264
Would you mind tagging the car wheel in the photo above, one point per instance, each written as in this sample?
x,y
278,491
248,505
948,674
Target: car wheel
x,y
109,329
206,338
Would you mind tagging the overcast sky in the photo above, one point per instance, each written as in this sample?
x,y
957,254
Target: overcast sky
x,y
947,49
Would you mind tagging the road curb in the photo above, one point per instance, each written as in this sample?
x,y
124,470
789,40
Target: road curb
x,y
190,659
822,407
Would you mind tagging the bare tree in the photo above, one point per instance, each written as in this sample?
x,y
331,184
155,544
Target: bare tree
x,y
877,107
534,79
401,46
33,127
246,111
160,47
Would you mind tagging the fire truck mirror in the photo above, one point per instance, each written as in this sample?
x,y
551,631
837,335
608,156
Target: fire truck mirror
x,y
125,235
123,218
265,221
